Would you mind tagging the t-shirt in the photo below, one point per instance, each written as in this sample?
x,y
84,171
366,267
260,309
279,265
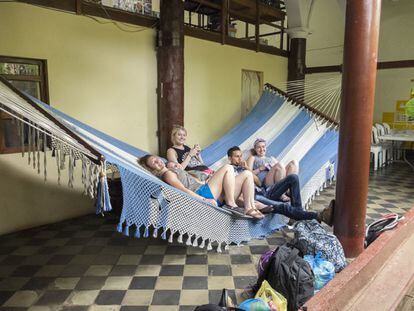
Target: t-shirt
x,y
194,165
238,169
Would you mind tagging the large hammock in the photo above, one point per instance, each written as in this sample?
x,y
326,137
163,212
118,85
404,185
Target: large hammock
x,y
291,129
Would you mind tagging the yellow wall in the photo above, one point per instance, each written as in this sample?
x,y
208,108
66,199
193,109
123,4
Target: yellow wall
x,y
325,47
106,78
97,73
213,85
27,201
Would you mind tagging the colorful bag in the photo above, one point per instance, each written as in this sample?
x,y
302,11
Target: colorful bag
x,y
275,300
311,238
323,270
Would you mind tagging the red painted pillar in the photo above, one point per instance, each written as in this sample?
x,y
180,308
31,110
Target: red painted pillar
x,y
357,105
170,59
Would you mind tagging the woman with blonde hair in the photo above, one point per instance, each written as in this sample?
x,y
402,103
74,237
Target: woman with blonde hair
x,y
222,185
189,158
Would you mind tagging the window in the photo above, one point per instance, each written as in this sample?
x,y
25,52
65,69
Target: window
x,y
29,76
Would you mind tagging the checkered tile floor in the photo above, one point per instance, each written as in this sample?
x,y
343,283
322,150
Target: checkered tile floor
x,y
84,264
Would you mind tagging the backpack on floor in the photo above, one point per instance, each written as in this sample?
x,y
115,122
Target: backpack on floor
x,y
378,226
311,238
290,275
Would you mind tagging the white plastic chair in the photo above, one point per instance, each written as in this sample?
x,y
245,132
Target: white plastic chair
x,y
396,155
376,148
387,148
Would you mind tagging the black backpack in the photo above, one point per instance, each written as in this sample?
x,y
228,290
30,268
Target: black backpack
x,y
290,275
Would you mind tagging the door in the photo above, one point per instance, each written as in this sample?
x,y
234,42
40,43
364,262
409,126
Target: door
x,y
252,87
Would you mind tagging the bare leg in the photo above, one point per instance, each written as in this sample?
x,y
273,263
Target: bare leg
x,y
223,180
277,173
245,188
292,168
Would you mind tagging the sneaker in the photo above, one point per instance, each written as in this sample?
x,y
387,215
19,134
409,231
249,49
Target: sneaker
x,y
327,214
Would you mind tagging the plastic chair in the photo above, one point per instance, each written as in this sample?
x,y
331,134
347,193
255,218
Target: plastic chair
x,y
397,145
376,148
387,147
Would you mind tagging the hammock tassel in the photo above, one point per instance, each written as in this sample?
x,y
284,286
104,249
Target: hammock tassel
x,y
119,227
164,234
126,230
22,137
219,248
62,159
103,202
38,151
90,181
44,157
170,238
70,169
29,144
202,244
84,179
188,243
180,238
146,232
226,248
34,145
195,242
209,246
58,165
137,233
155,233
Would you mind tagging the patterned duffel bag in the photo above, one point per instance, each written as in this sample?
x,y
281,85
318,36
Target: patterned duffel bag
x,y
311,238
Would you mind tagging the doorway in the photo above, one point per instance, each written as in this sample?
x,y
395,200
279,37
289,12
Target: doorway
x,y
252,87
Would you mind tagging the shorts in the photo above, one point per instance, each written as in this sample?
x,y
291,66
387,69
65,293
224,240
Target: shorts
x,y
205,192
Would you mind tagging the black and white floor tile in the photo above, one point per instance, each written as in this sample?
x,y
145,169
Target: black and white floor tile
x,y
84,264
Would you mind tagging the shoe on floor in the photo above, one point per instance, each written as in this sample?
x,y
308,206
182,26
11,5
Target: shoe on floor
x,y
327,214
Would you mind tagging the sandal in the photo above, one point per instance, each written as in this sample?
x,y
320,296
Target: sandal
x,y
236,211
254,213
266,210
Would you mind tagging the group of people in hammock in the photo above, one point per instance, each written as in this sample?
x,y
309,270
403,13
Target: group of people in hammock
x,y
235,185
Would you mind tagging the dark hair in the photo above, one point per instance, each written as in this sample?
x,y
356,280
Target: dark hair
x,y
253,152
231,150
143,160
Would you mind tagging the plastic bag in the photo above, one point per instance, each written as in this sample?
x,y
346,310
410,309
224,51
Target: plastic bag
x,y
274,299
323,270
254,304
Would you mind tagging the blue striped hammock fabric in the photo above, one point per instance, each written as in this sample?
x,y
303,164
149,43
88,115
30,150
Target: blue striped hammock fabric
x,y
149,203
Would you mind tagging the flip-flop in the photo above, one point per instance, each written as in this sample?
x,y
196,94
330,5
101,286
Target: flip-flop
x,y
254,213
268,209
236,211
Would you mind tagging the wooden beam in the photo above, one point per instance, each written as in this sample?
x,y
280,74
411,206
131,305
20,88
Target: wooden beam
x,y
265,34
170,64
237,42
407,63
65,5
224,20
79,7
97,10
257,28
323,69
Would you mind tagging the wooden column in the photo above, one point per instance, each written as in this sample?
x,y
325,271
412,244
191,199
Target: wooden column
x,y
170,58
297,59
357,104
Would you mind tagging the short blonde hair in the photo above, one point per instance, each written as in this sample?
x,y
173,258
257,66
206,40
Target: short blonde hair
x,y
175,130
